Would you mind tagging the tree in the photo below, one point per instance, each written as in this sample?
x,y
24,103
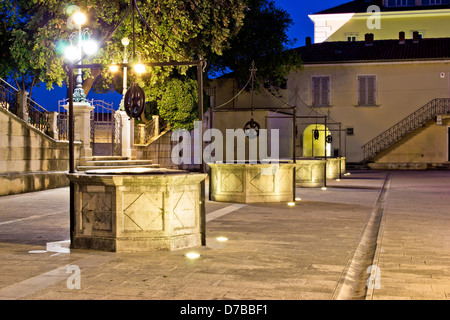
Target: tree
x,y
264,40
179,103
180,30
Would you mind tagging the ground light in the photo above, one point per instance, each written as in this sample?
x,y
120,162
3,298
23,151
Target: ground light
x,y
324,188
192,255
291,204
222,239
298,199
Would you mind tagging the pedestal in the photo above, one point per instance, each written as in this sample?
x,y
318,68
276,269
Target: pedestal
x,y
82,129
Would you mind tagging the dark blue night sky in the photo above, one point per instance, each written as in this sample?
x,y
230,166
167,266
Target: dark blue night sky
x,y
302,28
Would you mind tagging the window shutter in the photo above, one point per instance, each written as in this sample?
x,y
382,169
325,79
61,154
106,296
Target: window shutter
x,y
316,91
362,91
321,91
325,91
371,90
367,90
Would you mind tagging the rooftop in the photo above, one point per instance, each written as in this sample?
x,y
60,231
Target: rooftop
x,y
379,50
358,6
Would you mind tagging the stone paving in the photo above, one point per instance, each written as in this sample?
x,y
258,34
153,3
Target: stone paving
x,y
273,252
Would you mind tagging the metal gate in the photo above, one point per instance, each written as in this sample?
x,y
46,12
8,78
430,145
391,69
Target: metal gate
x,y
106,128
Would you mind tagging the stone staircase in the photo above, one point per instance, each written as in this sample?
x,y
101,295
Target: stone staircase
x,y
115,162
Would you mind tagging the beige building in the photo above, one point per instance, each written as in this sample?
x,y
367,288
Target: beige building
x,y
387,90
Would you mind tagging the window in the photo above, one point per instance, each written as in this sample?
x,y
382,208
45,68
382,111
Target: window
x,y
432,2
402,3
367,88
320,91
351,36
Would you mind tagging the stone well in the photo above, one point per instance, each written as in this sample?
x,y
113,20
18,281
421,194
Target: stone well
x,y
252,183
137,209
335,167
310,172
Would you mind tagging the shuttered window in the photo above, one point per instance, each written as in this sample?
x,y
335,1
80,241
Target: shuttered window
x,y
321,91
367,90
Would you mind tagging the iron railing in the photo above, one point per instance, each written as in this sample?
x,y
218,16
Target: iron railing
x,y
439,106
8,96
37,116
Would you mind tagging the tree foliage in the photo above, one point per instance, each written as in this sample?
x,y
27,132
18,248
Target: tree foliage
x,y
179,103
264,40
181,30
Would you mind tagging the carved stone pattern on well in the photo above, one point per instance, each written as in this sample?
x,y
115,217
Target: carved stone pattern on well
x,y
186,204
142,212
304,173
262,183
96,212
231,182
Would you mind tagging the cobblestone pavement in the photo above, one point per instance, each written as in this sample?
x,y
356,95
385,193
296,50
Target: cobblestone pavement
x,y
273,252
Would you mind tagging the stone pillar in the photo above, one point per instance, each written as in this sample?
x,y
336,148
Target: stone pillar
x,y
22,105
126,134
53,125
82,129
156,122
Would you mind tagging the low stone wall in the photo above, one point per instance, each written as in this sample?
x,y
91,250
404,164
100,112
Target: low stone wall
x,y
158,150
29,159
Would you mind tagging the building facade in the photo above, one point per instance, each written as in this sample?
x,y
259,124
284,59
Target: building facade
x,y
384,91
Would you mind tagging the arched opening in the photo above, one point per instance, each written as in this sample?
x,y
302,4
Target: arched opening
x,y
316,147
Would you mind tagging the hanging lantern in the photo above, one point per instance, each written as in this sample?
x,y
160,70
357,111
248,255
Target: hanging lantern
x,y
134,101
329,138
316,134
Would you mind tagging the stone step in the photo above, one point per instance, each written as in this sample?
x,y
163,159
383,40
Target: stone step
x,y
109,158
105,163
97,167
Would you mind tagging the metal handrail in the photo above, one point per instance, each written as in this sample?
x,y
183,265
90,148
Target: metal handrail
x,y
439,106
37,115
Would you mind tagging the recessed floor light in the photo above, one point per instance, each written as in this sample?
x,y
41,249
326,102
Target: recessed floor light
x,y
222,239
192,255
324,188
37,251
298,199
291,204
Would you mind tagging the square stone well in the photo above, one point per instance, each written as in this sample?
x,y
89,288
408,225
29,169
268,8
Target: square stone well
x,y
252,183
137,210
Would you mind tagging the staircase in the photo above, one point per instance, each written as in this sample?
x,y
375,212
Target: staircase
x,y
439,106
106,162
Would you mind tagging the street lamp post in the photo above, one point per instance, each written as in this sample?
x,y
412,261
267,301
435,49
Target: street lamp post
x,y
73,53
125,43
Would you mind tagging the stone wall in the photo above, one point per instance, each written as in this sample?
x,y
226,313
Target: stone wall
x,y
30,160
158,150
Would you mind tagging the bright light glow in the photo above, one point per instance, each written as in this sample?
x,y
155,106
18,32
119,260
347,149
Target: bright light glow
x,y
222,239
114,68
90,47
291,204
338,179
79,18
125,41
139,68
347,174
71,53
298,199
192,255
324,188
